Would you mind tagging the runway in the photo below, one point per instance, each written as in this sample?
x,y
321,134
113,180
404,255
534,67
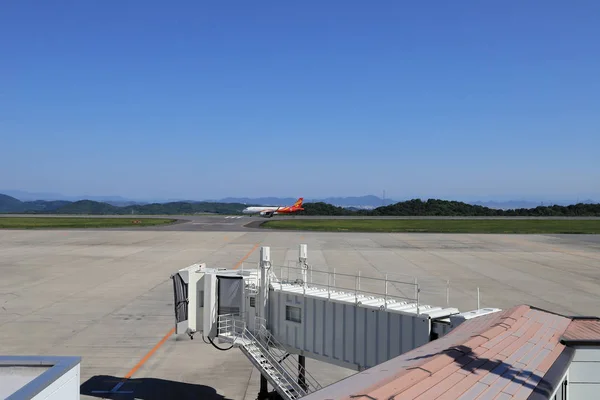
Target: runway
x,y
245,223
199,223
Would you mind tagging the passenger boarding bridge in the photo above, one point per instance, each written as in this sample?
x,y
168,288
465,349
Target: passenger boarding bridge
x,y
270,316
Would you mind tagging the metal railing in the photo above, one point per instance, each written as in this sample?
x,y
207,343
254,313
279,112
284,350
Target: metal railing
x,y
421,291
333,282
232,325
249,265
253,282
279,351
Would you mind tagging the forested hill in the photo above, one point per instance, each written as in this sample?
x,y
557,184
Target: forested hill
x,y
434,207
11,205
416,207
174,208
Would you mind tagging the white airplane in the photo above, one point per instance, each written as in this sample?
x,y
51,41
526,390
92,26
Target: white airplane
x,y
269,211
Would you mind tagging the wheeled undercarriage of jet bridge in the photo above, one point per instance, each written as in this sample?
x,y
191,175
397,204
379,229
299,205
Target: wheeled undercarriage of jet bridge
x,y
270,317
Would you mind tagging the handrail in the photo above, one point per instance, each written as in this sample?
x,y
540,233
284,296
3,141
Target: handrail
x,y
230,321
261,323
274,363
347,275
297,273
359,294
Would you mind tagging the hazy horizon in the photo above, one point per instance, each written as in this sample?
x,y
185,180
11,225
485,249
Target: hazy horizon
x,y
33,195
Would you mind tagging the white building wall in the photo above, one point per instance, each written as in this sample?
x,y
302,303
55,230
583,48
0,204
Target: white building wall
x,y
64,388
345,334
584,374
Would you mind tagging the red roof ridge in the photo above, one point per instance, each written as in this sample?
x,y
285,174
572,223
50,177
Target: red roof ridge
x,y
582,330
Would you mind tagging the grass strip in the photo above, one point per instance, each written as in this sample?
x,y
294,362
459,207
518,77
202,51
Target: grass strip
x,y
440,226
78,222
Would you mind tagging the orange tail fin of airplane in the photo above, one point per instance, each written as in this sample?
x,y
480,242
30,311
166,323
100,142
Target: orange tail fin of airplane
x,y
298,202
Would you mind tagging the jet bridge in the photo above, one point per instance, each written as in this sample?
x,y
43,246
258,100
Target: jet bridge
x,y
346,320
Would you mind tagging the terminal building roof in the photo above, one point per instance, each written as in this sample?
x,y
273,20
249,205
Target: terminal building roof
x,y
519,353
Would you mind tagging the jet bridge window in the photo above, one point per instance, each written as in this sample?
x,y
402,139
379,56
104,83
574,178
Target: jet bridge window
x,y
293,314
231,293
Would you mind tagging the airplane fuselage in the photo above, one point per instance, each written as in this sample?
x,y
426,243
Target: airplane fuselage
x,y
269,211
258,210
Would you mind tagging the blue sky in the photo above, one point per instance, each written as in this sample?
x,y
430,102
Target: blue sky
x,y
192,99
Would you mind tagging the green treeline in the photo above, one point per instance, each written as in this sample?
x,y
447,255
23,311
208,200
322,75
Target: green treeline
x,y
434,207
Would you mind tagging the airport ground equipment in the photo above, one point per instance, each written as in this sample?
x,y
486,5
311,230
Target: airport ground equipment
x,y
341,319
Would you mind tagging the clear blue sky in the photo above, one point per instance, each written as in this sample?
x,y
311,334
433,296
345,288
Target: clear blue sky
x,y
148,99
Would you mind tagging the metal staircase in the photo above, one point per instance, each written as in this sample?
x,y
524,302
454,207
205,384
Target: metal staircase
x,y
308,382
268,356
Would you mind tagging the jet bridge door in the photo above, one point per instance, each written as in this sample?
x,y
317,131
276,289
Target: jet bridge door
x,y
230,295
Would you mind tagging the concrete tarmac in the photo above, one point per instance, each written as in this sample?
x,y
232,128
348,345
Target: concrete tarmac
x,y
106,295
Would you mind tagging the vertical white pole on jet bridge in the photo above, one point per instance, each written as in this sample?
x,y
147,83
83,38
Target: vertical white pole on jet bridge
x,y
302,257
265,264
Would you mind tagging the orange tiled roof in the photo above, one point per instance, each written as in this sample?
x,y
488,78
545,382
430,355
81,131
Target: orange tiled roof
x,y
583,330
504,355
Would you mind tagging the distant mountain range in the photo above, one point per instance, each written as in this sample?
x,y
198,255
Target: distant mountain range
x,y
412,207
515,204
355,202
32,196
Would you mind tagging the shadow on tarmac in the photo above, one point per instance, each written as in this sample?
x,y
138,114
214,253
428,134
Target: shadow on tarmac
x,y
107,387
